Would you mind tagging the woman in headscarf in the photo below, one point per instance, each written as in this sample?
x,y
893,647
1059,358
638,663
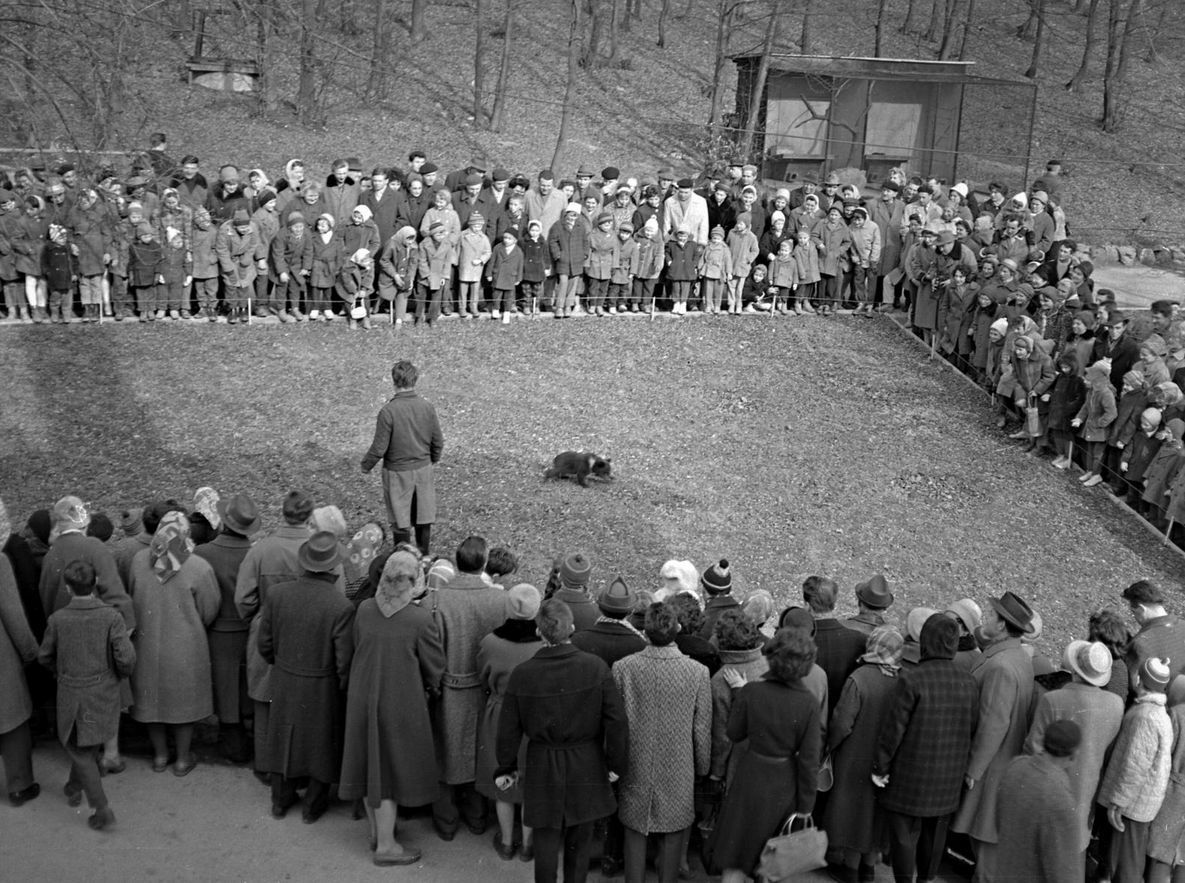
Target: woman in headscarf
x,y
389,755
499,653
17,648
175,596
852,819
777,773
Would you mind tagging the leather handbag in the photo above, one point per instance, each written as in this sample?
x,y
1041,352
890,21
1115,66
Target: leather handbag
x,y
793,852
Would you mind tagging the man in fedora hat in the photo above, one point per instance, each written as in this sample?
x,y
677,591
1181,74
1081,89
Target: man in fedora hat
x,y
1005,677
873,598
271,561
407,438
228,633
1097,712
306,634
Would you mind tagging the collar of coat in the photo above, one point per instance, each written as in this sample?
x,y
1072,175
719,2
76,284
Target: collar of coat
x,y
85,602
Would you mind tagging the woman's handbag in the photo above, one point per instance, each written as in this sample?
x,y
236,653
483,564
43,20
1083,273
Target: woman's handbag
x,y
826,775
1032,421
793,852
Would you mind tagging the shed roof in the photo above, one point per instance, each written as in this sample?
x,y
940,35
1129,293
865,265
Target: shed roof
x,y
915,70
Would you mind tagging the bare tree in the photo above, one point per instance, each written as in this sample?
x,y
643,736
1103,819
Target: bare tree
x,y
1088,48
479,47
380,55
662,23
612,57
949,27
1027,30
724,18
806,43
881,8
419,27
758,91
499,110
907,26
574,53
937,14
967,22
1038,39
1120,21
306,90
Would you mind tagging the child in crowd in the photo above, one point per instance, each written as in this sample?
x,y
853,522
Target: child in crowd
x,y
59,270
1136,458
174,277
87,646
682,260
783,278
715,271
1162,473
1094,419
328,258
397,271
351,288
1066,397
536,267
473,252
204,266
622,279
806,259
603,256
649,259
505,273
144,260
434,273
743,246
292,265
32,231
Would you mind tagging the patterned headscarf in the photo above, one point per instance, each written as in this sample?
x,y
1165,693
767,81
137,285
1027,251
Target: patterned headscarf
x,y
171,546
885,648
205,501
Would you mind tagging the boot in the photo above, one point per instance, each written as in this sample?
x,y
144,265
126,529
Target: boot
x,y
351,324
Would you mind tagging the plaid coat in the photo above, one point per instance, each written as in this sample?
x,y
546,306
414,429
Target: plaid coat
x,y
925,739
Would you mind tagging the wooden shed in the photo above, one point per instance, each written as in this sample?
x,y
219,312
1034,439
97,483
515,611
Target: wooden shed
x,y
828,112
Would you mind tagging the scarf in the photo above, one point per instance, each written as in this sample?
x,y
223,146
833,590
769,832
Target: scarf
x,y
171,546
625,623
884,650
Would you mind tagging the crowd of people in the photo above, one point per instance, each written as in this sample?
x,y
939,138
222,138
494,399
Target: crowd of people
x,y
164,243
661,715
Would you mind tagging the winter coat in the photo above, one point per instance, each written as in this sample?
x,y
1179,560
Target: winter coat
x,y
389,212
27,244
506,268
389,752
9,230
1127,418
1137,774
500,653
623,269
602,254
668,707
1098,411
890,218
90,233
435,268
473,253
649,258
517,224
693,214
1005,677
837,244
58,266
1162,472
866,245
398,263
1099,714
716,261
144,263
86,645
1166,839
328,260
744,250
566,704
290,255
925,741
341,199
237,253
769,243
569,249
1037,815
18,647
446,216
306,633
536,259
174,264
171,683
783,273
682,261
74,546
1032,376
468,610
1067,395
359,236
806,259
752,665
721,214
205,259
609,640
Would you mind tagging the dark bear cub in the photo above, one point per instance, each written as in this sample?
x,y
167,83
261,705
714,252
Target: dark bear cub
x,y
579,465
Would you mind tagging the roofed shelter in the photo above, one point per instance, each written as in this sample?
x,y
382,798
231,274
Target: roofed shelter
x,y
829,112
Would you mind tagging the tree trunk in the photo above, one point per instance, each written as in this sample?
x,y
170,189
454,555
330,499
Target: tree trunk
x,y
499,112
262,36
574,52
722,21
907,25
1088,48
948,30
376,84
419,28
966,29
306,96
479,47
1038,39
636,9
1118,34
613,30
1151,53
881,8
751,117
595,25
626,15
937,14
806,44
662,23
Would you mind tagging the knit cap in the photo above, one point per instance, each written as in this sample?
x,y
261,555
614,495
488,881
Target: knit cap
x,y
575,571
1155,674
717,579
717,231
131,521
1062,737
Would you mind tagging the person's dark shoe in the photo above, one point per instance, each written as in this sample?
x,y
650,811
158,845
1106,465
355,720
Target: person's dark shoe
x,y
612,867
476,828
866,874
73,795
311,813
101,819
445,834
841,873
280,807
180,769
108,767
505,851
20,798
526,853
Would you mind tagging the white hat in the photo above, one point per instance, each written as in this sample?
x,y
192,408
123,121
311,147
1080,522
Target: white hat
x,y
1090,660
572,208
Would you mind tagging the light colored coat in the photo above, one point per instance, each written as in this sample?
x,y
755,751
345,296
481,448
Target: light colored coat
x,y
1138,773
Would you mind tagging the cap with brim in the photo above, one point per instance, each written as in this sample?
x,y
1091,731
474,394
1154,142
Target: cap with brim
x,y
239,513
320,553
915,619
967,612
875,593
618,598
1013,609
684,184
1090,660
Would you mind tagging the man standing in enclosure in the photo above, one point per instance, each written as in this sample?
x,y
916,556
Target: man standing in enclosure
x,y
407,438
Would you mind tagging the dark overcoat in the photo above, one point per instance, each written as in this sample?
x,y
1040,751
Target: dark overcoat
x,y
1037,824
566,704
17,647
610,641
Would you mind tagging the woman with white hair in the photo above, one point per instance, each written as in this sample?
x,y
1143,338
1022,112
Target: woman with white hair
x,y
389,757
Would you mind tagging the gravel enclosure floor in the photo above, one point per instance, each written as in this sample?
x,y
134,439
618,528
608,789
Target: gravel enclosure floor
x,y
789,446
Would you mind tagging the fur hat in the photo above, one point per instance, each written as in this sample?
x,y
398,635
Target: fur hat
x,y
717,579
678,576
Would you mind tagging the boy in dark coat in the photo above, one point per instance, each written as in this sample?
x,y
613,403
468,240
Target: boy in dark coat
x,y
87,646
505,272
144,259
59,270
1066,397
565,703
536,266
